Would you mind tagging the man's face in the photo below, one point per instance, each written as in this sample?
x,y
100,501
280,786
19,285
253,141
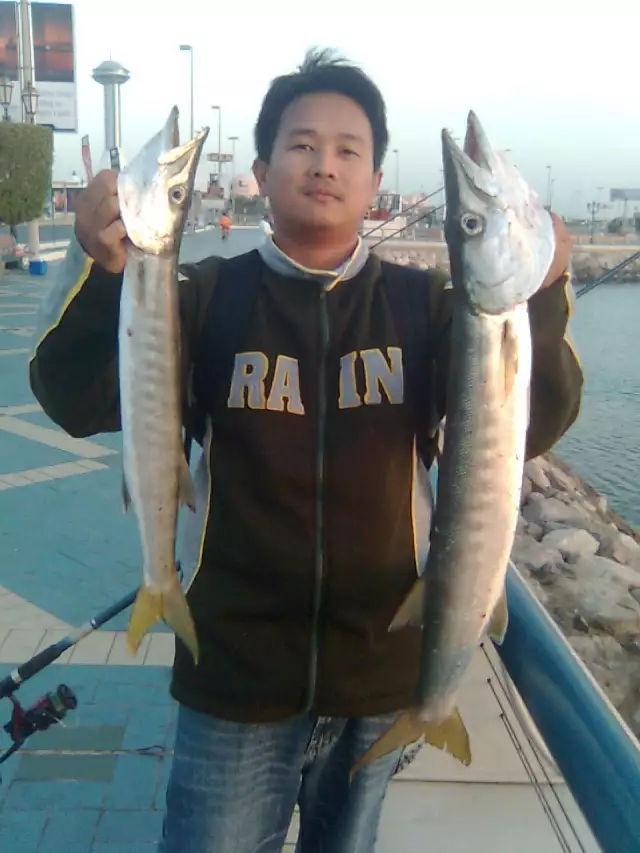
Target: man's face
x,y
321,175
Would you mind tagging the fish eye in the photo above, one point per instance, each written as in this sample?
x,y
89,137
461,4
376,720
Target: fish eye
x,y
472,224
178,195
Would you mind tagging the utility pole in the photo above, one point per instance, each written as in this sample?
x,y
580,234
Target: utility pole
x,y
233,140
188,48
29,98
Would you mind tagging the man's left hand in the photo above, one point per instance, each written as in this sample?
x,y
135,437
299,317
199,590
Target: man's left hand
x,y
562,258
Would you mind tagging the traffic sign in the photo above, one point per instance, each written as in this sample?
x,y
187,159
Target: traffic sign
x,y
214,157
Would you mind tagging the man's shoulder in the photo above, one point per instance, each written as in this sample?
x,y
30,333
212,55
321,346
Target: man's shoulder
x,y
434,280
434,276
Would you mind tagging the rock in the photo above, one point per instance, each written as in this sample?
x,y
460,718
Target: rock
x,y
609,664
590,568
526,490
601,503
604,606
620,547
602,650
561,481
536,476
535,556
629,543
552,510
572,543
534,530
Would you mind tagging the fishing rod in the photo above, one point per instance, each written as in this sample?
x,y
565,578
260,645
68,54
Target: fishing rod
x,y
400,214
608,274
54,706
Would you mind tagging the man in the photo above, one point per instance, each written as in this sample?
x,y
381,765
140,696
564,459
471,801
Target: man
x,y
303,543
265,226
225,225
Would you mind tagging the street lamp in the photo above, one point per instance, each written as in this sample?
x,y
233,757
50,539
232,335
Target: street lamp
x,y
30,98
189,49
6,92
233,140
593,207
396,151
219,109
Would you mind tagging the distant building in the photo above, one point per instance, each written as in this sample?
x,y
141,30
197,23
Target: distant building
x,y
244,186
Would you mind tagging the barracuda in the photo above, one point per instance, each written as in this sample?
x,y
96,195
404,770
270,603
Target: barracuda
x,y
154,193
501,245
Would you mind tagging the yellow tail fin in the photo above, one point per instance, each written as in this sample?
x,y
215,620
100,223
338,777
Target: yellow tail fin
x,y
451,736
152,605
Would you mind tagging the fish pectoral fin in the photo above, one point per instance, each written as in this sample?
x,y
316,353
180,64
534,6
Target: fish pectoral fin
x,y
499,621
451,736
126,496
152,605
406,730
411,610
186,486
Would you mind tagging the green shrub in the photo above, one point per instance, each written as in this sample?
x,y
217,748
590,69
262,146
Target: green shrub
x,y
26,160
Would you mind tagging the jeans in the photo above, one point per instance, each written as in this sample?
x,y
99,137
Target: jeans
x,y
233,786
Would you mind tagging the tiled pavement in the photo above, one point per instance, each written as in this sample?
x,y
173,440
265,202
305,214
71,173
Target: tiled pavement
x,y
96,784
67,551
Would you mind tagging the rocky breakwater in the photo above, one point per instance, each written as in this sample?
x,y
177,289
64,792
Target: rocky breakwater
x,y
583,562
589,262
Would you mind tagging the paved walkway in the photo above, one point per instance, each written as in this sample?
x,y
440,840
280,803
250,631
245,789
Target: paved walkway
x,y
97,784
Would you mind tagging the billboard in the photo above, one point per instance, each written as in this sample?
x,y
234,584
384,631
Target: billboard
x,y
54,60
624,195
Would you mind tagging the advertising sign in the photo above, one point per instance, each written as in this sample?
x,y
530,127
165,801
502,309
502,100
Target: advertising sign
x,y
54,60
624,195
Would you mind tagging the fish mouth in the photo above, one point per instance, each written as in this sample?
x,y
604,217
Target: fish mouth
x,y
171,130
476,161
171,151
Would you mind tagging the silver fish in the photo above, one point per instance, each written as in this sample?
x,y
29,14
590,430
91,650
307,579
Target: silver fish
x,y
154,193
501,245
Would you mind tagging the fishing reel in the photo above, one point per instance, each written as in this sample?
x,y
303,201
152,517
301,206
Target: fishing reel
x,y
49,710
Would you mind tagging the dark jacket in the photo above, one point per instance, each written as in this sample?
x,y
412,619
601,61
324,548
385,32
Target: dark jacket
x,y
307,539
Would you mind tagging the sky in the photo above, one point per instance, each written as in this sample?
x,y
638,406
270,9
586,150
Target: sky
x,y
557,87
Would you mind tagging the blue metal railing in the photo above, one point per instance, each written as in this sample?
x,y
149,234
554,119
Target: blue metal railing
x,y
595,752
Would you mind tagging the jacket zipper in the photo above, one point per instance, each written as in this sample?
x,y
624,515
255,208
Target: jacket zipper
x,y
319,543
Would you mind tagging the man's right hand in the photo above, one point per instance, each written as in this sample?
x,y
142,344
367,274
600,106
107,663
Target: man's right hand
x,y
99,229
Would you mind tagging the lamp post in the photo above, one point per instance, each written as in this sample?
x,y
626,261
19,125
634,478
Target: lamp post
x,y
189,49
6,93
233,140
396,151
219,109
593,207
30,98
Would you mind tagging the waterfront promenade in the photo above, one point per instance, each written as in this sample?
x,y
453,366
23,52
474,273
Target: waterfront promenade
x,y
97,784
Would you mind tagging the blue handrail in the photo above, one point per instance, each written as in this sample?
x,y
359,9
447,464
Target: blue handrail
x,y
595,752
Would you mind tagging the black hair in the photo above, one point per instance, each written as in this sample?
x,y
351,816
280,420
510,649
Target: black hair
x,y
322,71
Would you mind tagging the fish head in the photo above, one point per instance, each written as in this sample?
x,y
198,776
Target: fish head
x,y
501,238
154,189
